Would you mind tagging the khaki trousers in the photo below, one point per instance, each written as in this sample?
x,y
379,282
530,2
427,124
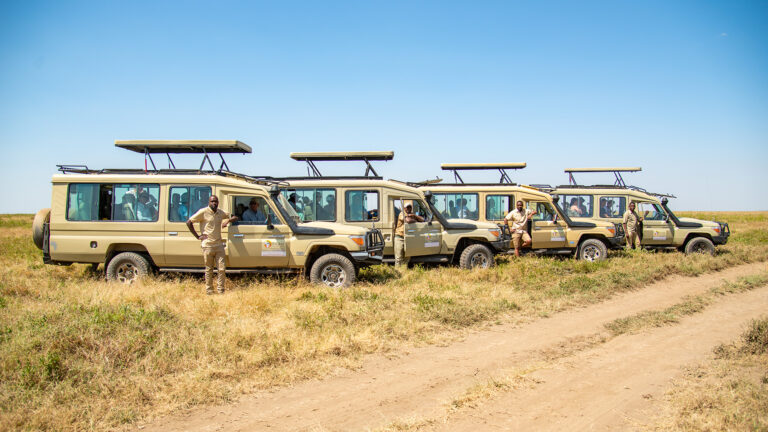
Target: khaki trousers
x,y
400,258
214,256
632,239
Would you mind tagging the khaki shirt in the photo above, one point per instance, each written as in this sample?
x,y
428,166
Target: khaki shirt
x,y
400,226
631,219
210,225
518,219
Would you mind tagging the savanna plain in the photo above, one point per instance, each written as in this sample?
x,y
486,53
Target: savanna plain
x,y
78,353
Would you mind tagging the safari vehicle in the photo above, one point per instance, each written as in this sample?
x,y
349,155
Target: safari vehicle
x,y
134,221
661,229
371,201
551,230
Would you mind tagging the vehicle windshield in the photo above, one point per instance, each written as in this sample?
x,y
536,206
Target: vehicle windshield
x,y
289,208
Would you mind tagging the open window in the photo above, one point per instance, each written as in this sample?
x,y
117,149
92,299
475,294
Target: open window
x,y
612,206
361,205
253,210
186,201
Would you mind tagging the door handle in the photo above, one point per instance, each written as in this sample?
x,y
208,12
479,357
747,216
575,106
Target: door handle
x,y
413,230
238,235
277,236
173,233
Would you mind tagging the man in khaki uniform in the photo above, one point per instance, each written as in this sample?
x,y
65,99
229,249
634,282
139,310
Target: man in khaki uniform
x,y
407,216
631,224
212,219
519,217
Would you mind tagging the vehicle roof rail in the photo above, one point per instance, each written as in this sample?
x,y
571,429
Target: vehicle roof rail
x,y
366,156
501,167
169,147
615,170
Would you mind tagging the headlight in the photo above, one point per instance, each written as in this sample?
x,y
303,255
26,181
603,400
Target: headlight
x,y
360,240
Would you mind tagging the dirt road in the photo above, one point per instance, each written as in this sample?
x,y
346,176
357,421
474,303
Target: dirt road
x,y
579,382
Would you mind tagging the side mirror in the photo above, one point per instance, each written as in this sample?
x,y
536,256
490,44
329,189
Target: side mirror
x,y
274,190
270,226
555,198
664,201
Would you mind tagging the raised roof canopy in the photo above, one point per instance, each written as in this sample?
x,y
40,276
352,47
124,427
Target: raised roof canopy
x,y
615,170
204,147
500,166
367,156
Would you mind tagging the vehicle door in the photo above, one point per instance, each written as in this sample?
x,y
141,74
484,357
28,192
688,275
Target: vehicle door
x,y
657,228
182,249
259,238
547,228
421,238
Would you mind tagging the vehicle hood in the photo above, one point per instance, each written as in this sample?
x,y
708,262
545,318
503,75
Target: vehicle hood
x,y
703,223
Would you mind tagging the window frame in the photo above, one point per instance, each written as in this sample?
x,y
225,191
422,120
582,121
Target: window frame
x,y
477,202
378,204
315,189
511,202
620,198
189,212
99,185
567,207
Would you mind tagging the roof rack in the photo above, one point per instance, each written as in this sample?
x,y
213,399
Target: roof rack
x,y
615,170
311,157
83,169
502,167
629,187
204,147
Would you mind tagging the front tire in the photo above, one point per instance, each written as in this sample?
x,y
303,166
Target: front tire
x,y
333,270
476,256
127,268
700,245
592,250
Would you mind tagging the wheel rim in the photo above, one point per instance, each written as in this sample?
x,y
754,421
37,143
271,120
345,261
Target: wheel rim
x,y
333,275
479,260
591,253
127,273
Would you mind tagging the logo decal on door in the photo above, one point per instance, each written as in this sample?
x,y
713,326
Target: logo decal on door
x,y
273,247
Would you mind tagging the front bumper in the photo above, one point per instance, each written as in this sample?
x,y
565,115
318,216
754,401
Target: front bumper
x,y
725,232
617,241
374,249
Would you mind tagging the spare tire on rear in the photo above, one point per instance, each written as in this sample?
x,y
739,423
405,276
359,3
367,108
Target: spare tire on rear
x,y
41,218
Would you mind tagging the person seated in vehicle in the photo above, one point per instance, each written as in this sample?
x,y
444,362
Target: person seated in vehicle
x,y
606,210
183,209
239,210
254,215
309,214
174,212
462,212
145,209
574,209
583,207
452,209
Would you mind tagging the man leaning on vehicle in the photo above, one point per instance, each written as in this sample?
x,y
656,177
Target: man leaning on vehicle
x,y
631,224
212,219
519,217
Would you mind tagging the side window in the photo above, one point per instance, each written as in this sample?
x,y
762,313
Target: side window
x,y
651,212
186,200
312,204
612,206
420,208
83,202
456,205
362,205
497,206
544,211
253,210
577,205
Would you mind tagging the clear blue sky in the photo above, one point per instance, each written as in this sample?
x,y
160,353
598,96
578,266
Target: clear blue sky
x,y
677,87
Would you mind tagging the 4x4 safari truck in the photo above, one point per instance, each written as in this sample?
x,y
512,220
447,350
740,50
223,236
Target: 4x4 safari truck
x,y
551,230
370,201
661,228
134,221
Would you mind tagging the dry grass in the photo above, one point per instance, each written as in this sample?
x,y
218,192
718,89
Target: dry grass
x,y
727,393
78,353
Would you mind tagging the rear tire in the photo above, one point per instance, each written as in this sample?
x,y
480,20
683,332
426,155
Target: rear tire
x,y
41,218
127,268
592,250
700,245
476,256
333,270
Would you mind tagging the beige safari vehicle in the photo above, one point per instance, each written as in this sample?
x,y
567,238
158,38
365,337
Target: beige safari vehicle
x,y
661,229
134,221
551,230
370,201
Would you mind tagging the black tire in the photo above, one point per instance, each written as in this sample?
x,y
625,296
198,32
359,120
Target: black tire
x,y
127,268
700,245
592,250
333,270
476,256
41,218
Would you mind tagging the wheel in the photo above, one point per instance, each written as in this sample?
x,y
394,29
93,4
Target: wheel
x,y
127,268
476,256
333,270
700,245
41,218
592,250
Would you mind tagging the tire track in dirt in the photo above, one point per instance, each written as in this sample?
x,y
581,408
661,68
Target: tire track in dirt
x,y
613,386
419,382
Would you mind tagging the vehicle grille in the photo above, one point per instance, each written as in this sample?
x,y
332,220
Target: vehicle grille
x,y
374,239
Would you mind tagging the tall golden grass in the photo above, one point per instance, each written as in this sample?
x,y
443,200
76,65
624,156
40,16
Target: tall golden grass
x,y
79,353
